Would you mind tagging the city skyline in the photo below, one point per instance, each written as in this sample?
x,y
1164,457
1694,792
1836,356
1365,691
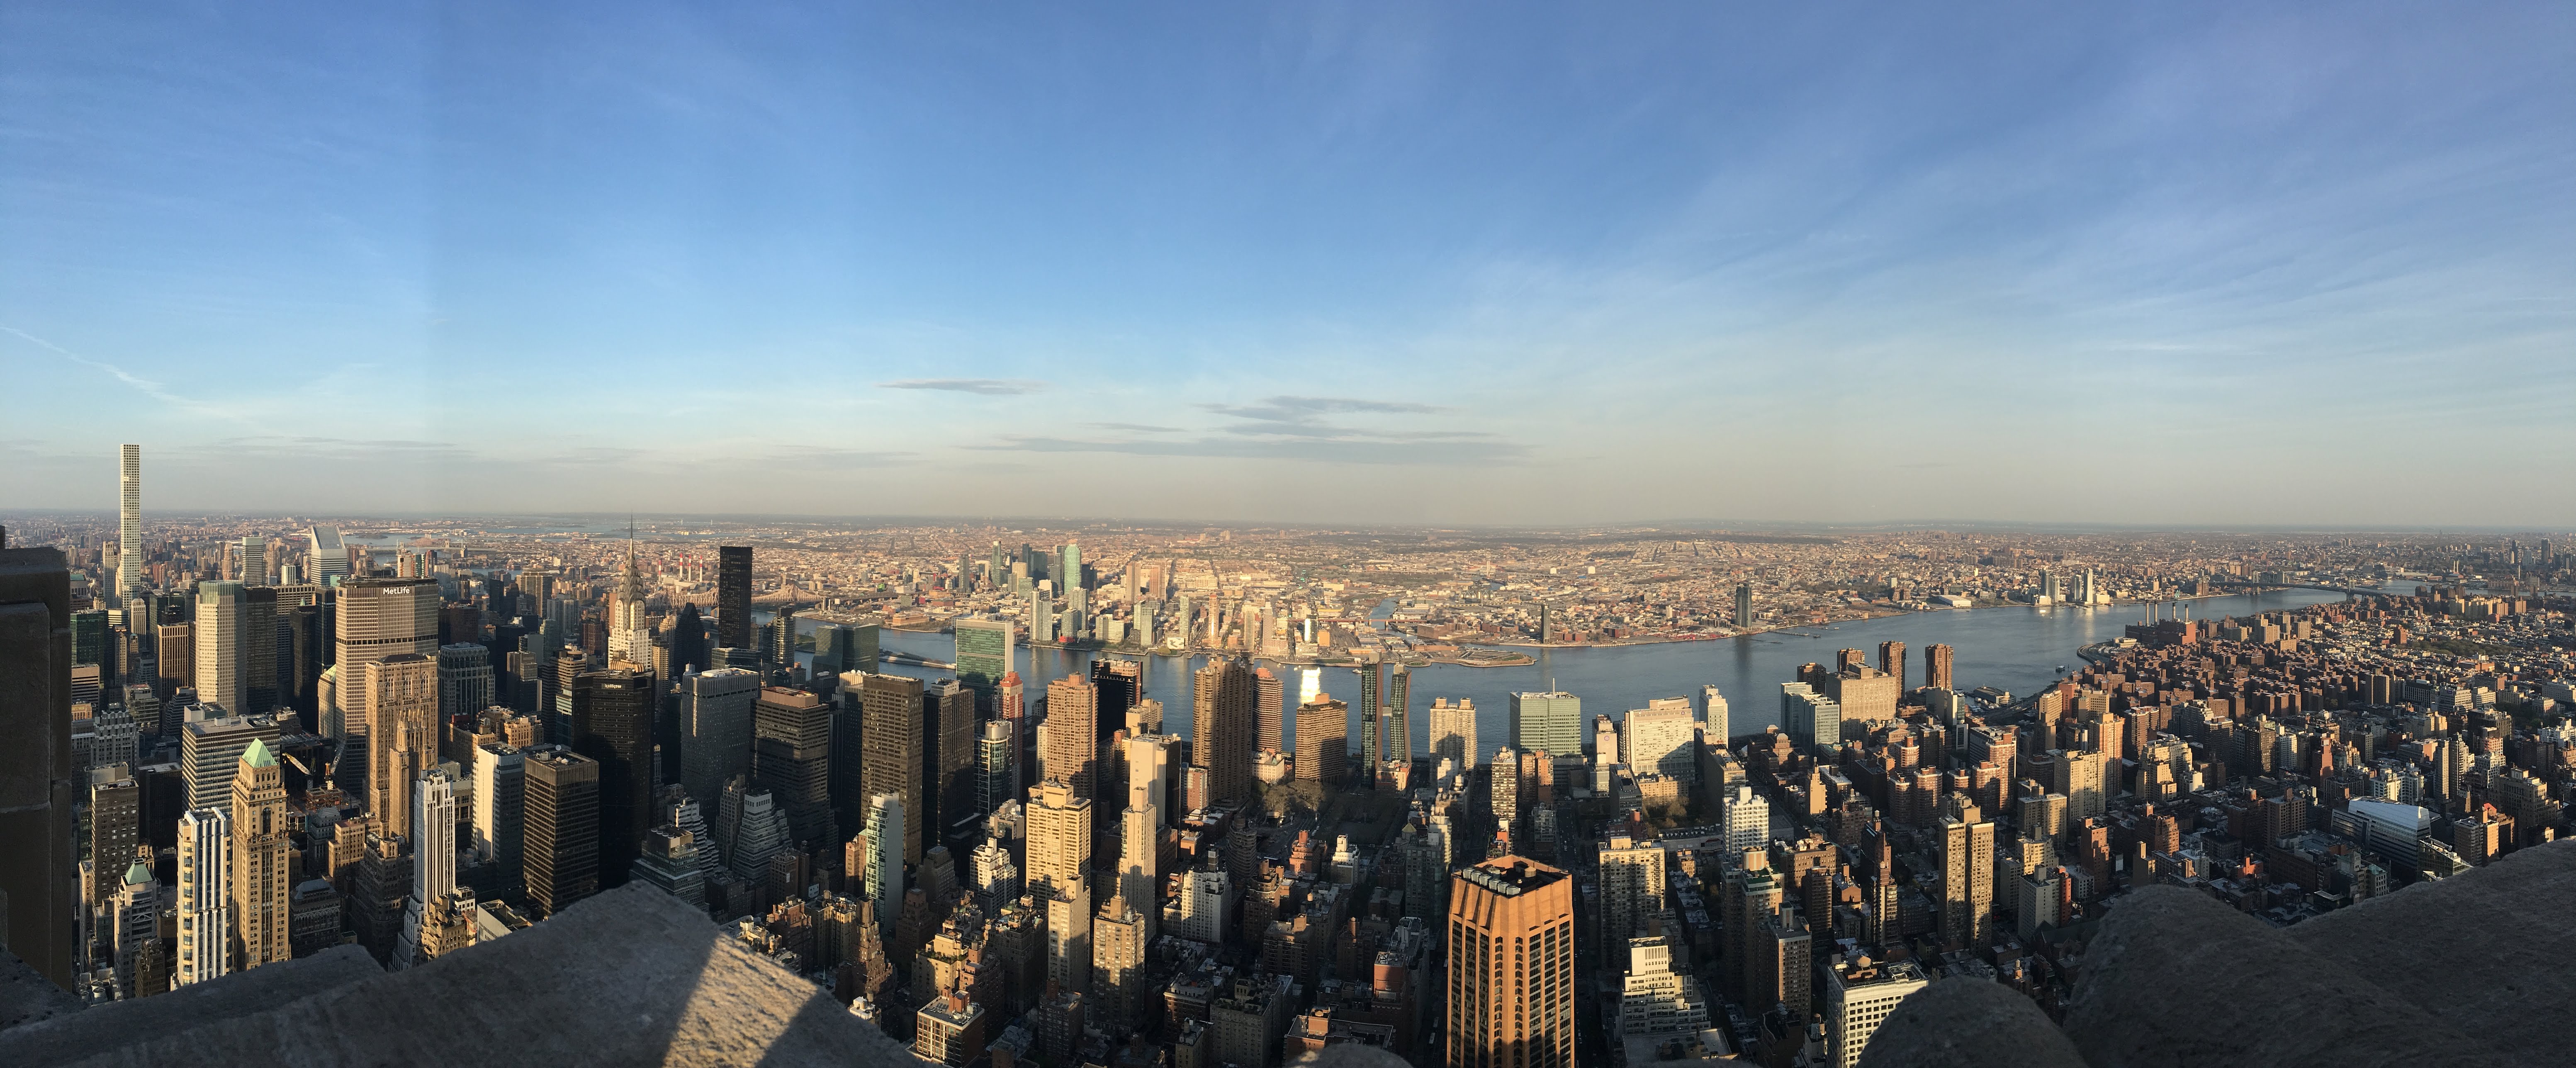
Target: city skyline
x,y
1322,264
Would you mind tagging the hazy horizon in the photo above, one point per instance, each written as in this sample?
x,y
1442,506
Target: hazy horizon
x,y
2193,266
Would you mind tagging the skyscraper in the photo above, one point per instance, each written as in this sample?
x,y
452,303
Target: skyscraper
x,y
1812,720
114,820
210,749
562,842
259,861
129,522
1368,716
1059,842
894,757
1712,716
327,554
465,685
1548,721
501,812
1068,739
1891,660
1859,994
1322,750
1967,875
378,618
1936,667
236,647
1743,605
402,703
612,715
205,886
38,873
433,852
1511,966
1453,732
1221,705
1661,739
1395,737
948,715
716,709
983,655
689,647
1271,697
733,596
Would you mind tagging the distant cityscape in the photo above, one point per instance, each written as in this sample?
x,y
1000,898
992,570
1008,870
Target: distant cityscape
x,y
1155,796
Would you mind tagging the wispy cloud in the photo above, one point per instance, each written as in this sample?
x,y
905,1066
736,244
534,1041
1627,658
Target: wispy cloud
x,y
145,386
1314,450
822,455
1140,428
990,387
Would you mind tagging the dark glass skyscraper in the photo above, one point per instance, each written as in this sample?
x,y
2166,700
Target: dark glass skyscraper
x,y
1222,709
561,802
733,596
688,642
612,724
791,757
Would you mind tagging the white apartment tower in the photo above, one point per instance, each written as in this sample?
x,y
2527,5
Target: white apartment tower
x,y
205,901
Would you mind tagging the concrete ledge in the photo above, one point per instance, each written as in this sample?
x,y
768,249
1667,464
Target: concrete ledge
x,y
2486,951
2176,978
1349,1055
117,1023
27,997
1969,1023
629,977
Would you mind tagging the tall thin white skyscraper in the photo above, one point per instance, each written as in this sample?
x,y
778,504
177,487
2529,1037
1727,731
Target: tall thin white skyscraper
x,y
433,821
205,895
129,522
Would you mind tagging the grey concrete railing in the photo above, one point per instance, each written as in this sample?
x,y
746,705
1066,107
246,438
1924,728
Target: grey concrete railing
x,y
2467,971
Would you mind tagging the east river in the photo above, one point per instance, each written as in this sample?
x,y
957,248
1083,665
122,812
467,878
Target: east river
x,y
2015,649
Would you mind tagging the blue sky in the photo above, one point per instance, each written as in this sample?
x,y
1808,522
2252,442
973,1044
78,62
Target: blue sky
x,y
1444,263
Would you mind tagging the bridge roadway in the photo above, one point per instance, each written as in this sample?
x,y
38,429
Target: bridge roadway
x,y
2348,590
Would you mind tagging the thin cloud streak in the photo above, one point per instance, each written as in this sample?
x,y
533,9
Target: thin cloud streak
x,y
988,387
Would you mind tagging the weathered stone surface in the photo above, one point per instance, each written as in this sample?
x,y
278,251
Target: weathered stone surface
x,y
27,997
2485,951
629,977
1969,1023
2176,978
118,1023
1349,1055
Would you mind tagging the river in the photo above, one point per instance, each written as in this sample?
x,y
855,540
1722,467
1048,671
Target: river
x,y
2014,648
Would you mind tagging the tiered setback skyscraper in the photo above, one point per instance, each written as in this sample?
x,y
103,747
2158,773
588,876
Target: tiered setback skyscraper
x,y
733,596
1221,705
1511,966
129,523
259,873
402,703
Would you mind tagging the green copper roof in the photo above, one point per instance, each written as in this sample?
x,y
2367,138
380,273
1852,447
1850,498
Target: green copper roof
x,y
258,755
137,875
